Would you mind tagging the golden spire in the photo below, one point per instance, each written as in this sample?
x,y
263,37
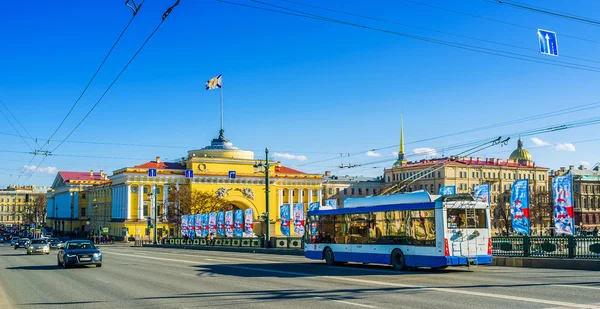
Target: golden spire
x,y
401,157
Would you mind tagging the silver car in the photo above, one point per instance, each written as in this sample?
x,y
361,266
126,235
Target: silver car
x,y
39,245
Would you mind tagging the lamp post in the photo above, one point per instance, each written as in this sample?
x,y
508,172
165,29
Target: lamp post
x,y
265,169
72,208
153,205
95,218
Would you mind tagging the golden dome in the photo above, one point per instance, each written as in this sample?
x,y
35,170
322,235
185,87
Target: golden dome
x,y
520,154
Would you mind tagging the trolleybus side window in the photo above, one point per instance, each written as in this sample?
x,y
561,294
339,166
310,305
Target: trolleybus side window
x,y
422,227
358,230
340,229
457,218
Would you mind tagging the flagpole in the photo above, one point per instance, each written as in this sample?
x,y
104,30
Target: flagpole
x,y
221,92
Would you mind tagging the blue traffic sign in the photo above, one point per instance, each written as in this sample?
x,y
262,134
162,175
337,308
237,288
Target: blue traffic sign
x,y
548,42
152,172
232,174
189,173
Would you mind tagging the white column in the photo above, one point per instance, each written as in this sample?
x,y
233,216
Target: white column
x,y
128,203
280,201
140,201
290,196
309,200
320,196
153,201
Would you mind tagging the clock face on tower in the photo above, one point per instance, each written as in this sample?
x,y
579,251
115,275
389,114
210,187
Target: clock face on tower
x,y
202,167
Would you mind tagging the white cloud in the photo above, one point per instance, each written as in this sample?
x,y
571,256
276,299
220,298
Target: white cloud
x,y
394,153
539,142
584,162
565,147
290,156
373,154
45,170
425,151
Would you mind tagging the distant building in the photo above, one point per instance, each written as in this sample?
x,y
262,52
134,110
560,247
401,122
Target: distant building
x,y
586,195
467,172
341,187
14,202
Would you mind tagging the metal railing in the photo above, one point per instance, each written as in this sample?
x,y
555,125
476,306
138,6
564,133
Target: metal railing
x,y
566,247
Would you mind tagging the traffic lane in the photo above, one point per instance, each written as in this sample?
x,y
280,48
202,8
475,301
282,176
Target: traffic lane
x,y
39,283
388,292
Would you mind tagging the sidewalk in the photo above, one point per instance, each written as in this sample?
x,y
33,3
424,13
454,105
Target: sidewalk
x,y
297,252
578,264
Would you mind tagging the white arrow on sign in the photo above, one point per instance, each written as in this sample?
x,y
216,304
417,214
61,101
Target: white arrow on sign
x,y
548,43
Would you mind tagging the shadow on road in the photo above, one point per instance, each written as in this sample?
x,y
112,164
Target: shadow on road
x,y
62,303
34,267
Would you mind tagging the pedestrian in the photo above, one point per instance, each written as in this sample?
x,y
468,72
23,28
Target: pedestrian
x,y
595,232
212,240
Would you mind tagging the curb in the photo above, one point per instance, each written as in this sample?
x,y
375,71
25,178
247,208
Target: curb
x,y
546,263
296,252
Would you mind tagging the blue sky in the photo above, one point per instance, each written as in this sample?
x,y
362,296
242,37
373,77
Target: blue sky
x,y
305,88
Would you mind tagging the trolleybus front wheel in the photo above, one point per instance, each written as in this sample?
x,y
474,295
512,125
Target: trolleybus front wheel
x,y
398,261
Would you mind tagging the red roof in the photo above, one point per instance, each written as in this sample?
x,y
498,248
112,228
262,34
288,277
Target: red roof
x,y
161,165
287,170
68,176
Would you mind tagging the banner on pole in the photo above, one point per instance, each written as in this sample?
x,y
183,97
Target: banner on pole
x,y
299,218
519,206
229,223
221,223
212,223
284,212
562,192
249,225
482,193
313,206
238,219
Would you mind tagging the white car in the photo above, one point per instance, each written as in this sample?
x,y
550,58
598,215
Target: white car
x,y
39,245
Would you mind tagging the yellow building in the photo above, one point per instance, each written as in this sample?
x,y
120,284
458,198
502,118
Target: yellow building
x,y
69,203
123,204
15,201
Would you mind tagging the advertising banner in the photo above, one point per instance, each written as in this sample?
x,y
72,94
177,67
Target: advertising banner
x,y
448,190
313,206
184,225
519,206
238,221
212,223
482,193
284,212
229,223
562,193
249,225
221,223
204,223
299,219
198,230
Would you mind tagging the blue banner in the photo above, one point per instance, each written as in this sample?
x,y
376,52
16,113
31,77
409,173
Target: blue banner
x,y
229,223
204,221
332,203
212,223
519,206
221,223
562,192
299,218
185,225
249,223
313,206
238,221
198,225
284,212
448,190
482,193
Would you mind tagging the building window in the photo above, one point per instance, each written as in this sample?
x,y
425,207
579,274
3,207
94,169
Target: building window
x,y
330,191
293,192
145,213
367,191
337,190
283,193
345,191
83,212
388,181
352,191
157,190
83,195
359,191
145,190
134,189
472,174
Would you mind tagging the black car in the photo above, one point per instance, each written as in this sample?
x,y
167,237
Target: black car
x,y
22,243
54,243
79,252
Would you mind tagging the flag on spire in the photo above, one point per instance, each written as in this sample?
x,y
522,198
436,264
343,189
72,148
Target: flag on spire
x,y
214,83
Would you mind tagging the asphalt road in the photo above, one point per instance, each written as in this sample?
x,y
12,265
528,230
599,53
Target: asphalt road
x,y
172,278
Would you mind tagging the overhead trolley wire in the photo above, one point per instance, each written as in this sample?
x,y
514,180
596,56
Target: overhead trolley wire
x,y
494,20
541,10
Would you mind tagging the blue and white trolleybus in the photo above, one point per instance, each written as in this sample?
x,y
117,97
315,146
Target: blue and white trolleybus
x,y
402,230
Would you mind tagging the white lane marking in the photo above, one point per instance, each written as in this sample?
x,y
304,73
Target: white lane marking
x,y
372,282
347,302
577,286
105,282
220,258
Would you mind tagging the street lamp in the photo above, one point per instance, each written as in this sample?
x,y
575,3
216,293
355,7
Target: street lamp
x,y
72,208
95,218
264,168
152,196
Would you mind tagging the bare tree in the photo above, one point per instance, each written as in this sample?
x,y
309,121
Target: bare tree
x,y
35,212
541,209
501,213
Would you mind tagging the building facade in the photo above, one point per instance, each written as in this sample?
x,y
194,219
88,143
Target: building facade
x,y
15,201
122,203
467,172
586,195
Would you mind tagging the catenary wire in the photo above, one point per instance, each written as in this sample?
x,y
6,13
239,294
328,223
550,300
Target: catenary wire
x,y
544,11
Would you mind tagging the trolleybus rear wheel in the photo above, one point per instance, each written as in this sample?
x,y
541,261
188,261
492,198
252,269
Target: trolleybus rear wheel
x,y
398,261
